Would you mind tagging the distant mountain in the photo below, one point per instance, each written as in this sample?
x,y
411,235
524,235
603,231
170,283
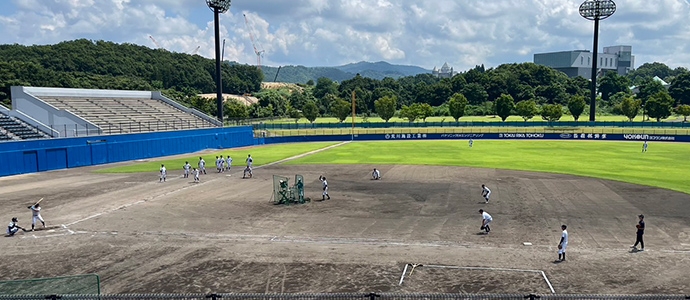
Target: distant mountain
x,y
384,68
377,70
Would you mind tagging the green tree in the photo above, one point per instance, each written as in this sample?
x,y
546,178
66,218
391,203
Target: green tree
x,y
629,107
424,110
613,83
660,106
324,86
683,110
527,109
409,113
341,109
475,93
456,105
294,113
233,109
504,106
551,112
680,88
310,111
576,105
385,107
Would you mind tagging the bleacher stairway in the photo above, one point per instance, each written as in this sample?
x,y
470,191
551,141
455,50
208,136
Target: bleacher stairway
x,y
128,115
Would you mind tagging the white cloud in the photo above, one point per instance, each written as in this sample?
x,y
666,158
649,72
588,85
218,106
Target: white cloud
x,y
331,32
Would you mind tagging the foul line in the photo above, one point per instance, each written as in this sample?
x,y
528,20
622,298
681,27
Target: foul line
x,y
196,185
479,268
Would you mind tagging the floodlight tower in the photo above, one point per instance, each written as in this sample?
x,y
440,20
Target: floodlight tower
x,y
218,7
596,10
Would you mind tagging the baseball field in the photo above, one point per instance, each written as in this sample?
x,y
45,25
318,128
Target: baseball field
x,y
225,235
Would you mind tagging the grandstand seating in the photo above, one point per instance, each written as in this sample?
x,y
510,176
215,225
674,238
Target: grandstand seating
x,y
11,127
126,115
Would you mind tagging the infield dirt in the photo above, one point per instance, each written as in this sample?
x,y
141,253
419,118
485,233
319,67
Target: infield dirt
x,y
224,234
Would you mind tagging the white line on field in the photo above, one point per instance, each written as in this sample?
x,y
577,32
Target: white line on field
x,y
196,185
494,269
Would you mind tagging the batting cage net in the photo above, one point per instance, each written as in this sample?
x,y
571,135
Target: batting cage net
x,y
79,284
280,189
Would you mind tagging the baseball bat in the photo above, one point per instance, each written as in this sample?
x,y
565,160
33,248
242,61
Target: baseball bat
x,y
39,201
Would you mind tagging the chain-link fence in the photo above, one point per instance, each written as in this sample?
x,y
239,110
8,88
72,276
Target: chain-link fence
x,y
86,129
347,296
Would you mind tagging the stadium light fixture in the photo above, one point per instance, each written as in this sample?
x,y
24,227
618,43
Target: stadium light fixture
x,y
218,7
596,10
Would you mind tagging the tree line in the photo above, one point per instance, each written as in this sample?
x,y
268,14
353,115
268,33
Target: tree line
x,y
106,65
526,90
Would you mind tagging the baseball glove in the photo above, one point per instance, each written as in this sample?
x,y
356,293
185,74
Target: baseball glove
x,y
560,247
638,226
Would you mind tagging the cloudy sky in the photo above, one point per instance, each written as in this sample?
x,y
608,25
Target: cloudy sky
x,y
426,33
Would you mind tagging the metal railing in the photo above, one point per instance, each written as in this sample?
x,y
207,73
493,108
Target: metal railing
x,y
478,130
77,130
350,296
531,124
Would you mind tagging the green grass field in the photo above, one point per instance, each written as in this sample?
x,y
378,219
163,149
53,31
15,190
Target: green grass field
x,y
666,165
565,118
262,155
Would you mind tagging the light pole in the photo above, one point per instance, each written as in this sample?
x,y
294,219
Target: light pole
x,y
218,7
596,10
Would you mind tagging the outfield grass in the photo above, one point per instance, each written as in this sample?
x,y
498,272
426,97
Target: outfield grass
x,y
565,118
666,165
477,129
262,155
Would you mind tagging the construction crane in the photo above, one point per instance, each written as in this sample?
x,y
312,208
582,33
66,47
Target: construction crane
x,y
259,51
154,42
196,50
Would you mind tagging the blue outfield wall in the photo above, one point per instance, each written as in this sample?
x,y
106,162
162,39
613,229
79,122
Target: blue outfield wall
x,y
52,154
478,136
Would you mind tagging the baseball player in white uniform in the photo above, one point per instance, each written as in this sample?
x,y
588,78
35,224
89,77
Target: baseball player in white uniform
x,y
196,175
228,162
164,172
563,244
644,146
36,215
376,175
13,227
248,169
486,219
486,192
471,142
222,164
202,165
325,188
186,168
218,164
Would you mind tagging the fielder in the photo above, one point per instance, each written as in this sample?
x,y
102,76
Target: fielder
x,y
247,172
640,234
36,214
222,164
218,164
202,165
325,188
164,172
644,147
13,227
486,219
471,142
228,162
563,244
376,175
186,168
196,175
486,192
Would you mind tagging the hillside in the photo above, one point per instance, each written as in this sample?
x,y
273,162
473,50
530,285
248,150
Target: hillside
x,y
377,70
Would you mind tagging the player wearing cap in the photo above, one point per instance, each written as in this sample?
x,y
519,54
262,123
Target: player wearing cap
x,y
486,192
486,219
13,227
202,165
640,234
376,175
164,173
563,244
325,188
186,168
